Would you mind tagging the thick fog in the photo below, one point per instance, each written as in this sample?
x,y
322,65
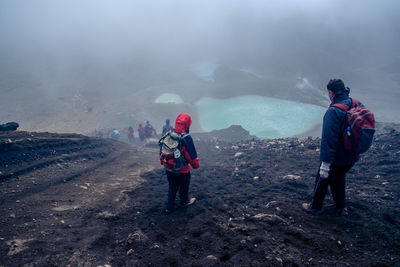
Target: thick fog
x,y
100,52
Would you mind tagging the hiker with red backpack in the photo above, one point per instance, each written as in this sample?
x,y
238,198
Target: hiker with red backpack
x,y
141,132
347,130
178,154
130,133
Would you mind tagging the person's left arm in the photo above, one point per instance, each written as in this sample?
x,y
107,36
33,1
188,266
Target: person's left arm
x,y
190,153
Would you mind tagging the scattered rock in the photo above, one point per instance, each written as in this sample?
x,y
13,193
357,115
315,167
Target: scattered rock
x,y
256,178
291,177
211,257
17,245
270,203
260,216
270,218
137,236
238,154
105,214
65,207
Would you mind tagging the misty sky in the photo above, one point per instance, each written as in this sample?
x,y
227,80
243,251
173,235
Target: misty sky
x,y
318,39
171,29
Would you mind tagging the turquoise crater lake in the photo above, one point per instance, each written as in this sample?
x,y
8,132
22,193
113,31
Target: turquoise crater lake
x,y
262,116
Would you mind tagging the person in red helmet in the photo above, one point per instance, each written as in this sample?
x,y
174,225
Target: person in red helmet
x,y
179,180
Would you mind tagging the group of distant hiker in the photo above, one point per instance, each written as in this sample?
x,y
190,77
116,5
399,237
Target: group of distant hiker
x,y
110,133
147,131
347,131
144,133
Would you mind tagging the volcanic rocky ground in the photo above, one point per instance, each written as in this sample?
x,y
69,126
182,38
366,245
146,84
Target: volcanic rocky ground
x,y
72,200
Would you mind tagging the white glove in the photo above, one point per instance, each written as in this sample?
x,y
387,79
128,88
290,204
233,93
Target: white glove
x,y
324,170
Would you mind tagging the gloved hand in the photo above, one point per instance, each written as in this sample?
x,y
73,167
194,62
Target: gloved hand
x,y
324,170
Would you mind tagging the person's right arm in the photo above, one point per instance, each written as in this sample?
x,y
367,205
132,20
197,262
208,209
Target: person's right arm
x,y
331,130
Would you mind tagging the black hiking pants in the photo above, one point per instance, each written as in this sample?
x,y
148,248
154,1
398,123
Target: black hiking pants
x,y
177,182
337,181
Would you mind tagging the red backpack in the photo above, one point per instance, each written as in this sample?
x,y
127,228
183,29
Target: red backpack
x,y
360,128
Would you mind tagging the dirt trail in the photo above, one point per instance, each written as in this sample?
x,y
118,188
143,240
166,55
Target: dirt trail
x,y
70,199
56,191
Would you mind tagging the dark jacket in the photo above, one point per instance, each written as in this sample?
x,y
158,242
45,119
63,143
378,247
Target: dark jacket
x,y
166,128
333,127
182,125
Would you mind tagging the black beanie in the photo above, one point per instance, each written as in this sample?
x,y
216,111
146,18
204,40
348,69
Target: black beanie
x,y
335,85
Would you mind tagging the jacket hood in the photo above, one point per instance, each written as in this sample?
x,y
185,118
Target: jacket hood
x,y
341,95
182,123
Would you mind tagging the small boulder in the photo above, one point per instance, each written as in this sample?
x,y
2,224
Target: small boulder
x,y
9,126
238,154
211,257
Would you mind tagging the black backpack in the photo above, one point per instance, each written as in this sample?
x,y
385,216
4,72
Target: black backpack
x,y
170,151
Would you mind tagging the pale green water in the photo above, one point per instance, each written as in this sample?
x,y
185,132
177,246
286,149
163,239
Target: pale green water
x,y
261,116
169,98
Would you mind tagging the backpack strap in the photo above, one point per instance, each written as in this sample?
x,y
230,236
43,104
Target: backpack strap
x,y
354,103
343,107
182,138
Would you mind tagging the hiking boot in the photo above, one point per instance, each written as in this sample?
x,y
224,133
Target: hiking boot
x,y
308,208
342,212
191,201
